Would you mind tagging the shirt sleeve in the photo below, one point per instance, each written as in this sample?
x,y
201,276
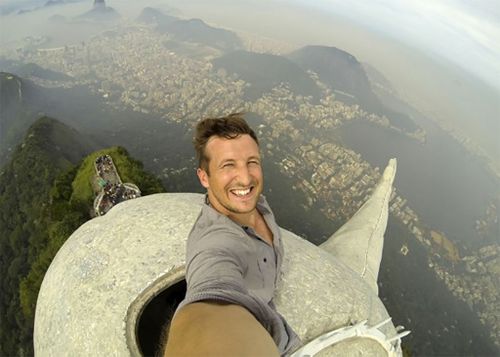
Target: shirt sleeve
x,y
215,268
213,271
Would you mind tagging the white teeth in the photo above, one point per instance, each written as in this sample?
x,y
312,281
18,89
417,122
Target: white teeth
x,y
241,192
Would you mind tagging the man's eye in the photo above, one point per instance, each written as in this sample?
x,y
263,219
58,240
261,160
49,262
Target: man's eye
x,y
228,164
254,162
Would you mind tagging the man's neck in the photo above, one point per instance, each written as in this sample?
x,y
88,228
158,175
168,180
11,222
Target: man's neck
x,y
249,219
253,219
246,219
256,221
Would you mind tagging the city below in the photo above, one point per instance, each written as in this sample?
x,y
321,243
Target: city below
x,y
135,67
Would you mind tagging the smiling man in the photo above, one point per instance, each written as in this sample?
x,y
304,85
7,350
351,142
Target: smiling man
x,y
234,253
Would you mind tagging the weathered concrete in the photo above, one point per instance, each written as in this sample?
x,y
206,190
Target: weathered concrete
x,y
113,265
360,241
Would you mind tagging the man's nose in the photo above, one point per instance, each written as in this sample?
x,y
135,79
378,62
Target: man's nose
x,y
244,177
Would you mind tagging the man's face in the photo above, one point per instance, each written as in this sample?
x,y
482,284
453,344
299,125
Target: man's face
x,y
235,181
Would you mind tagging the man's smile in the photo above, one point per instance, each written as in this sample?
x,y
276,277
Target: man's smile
x,y
241,192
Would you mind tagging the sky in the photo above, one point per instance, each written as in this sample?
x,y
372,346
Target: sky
x,y
462,31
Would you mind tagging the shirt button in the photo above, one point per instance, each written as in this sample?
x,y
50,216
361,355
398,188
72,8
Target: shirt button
x,y
265,260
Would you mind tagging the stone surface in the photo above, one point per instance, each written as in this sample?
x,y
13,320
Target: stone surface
x,y
92,293
103,267
360,241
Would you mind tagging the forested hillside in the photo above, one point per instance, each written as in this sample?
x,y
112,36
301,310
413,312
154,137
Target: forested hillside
x,y
45,194
16,112
49,148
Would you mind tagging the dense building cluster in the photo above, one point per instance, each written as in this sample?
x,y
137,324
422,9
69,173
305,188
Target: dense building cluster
x,y
478,285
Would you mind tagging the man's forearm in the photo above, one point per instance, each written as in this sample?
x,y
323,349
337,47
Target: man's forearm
x,y
218,329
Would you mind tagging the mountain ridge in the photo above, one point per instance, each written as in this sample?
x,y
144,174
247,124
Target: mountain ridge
x,y
344,74
25,183
191,30
16,111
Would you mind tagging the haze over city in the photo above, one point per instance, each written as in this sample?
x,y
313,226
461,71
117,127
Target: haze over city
x,y
441,57
334,89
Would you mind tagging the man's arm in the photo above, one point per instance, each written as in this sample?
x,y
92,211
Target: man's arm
x,y
215,283
218,329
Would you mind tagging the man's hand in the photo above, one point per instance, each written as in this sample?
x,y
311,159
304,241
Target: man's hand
x,y
217,329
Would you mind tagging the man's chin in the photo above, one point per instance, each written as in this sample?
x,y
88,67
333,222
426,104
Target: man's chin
x,y
242,206
242,209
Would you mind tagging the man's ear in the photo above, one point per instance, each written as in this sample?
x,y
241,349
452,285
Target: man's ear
x,y
203,177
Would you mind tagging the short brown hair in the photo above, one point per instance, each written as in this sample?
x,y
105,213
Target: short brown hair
x,y
229,127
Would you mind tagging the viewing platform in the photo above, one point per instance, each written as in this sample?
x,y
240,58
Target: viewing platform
x,y
109,187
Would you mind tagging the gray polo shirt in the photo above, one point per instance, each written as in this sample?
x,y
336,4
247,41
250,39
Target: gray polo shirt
x,y
231,263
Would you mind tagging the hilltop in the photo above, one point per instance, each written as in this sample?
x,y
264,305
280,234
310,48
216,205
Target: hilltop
x,y
336,68
191,30
196,30
345,75
153,16
100,12
48,149
16,112
129,169
21,103
265,71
